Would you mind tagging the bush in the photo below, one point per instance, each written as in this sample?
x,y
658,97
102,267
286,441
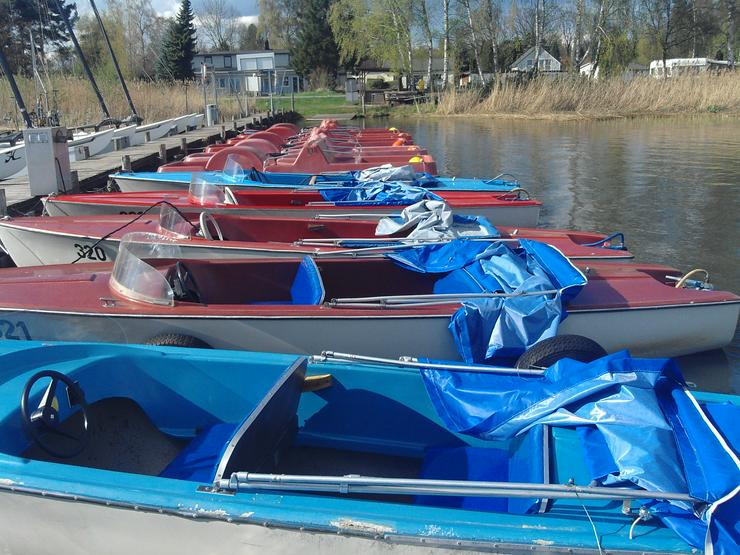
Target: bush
x,y
378,84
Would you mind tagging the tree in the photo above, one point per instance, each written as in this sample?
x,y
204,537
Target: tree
x,y
248,37
21,16
178,49
731,32
278,22
315,48
218,21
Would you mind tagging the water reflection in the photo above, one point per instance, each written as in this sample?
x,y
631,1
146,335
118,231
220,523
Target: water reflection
x,y
671,185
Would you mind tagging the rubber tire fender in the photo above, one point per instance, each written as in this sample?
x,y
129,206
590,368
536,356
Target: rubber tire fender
x,y
547,352
177,340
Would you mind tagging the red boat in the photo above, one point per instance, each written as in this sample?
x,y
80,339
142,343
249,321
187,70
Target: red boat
x,y
499,208
370,306
320,150
66,239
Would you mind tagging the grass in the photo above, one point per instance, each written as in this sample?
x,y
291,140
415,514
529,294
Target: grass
x,y
312,103
578,98
564,98
153,101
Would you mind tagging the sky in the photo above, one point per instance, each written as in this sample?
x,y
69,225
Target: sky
x,y
246,9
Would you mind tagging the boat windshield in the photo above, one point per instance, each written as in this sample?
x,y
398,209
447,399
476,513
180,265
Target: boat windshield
x,y
233,171
135,279
173,224
203,193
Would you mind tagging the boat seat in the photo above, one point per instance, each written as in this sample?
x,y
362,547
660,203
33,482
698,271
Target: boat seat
x,y
252,445
522,462
307,287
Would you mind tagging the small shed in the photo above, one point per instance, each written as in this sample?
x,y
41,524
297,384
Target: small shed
x,y
525,62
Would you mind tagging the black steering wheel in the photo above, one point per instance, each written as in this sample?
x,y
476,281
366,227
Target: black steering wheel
x,y
43,424
183,284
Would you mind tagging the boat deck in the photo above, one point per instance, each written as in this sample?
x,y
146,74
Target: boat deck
x,y
94,171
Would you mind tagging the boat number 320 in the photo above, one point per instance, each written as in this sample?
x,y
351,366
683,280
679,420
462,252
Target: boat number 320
x,y
91,253
10,330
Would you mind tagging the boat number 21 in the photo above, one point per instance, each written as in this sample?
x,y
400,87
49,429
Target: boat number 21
x,y
90,253
10,330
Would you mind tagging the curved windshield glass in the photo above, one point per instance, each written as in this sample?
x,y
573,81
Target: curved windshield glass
x,y
172,223
135,279
203,193
233,171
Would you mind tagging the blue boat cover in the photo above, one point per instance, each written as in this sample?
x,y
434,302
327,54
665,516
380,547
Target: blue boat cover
x,y
376,193
639,424
500,327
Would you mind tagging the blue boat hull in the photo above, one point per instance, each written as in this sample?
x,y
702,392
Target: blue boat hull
x,y
368,413
153,181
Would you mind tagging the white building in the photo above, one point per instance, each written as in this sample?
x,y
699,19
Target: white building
x,y
256,72
685,66
525,62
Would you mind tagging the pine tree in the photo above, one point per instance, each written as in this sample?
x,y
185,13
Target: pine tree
x,y
315,48
178,49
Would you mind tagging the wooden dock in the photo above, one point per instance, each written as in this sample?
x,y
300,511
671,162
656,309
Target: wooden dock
x,y
93,173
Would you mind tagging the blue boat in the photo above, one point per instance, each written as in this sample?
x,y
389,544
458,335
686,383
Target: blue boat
x,y
121,449
131,182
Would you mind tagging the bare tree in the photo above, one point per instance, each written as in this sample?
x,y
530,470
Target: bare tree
x,y
575,56
731,32
429,36
218,22
446,48
473,37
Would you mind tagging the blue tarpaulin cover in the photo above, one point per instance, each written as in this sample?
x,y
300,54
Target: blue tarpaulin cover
x,y
499,326
639,425
374,193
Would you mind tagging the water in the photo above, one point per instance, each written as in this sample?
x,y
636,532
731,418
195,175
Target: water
x,y
671,185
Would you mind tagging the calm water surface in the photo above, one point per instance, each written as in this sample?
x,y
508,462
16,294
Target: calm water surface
x,y
671,185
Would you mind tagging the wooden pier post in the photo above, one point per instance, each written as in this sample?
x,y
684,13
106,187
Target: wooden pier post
x,y
163,153
125,163
3,204
223,132
86,152
184,146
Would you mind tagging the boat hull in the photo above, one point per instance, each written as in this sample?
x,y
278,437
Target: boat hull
x,y
650,331
117,528
95,143
33,246
143,182
12,160
526,215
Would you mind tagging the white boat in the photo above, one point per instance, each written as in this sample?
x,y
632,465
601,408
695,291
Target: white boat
x,y
152,131
195,120
95,143
12,160
180,124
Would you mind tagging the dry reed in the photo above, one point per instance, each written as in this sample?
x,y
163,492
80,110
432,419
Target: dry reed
x,y
78,105
579,97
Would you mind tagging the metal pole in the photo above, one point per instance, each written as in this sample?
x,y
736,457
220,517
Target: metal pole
x,y
83,60
411,362
14,87
115,61
203,73
370,484
269,84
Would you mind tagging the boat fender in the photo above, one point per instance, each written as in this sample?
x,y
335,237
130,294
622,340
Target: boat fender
x,y
547,352
177,340
415,160
399,142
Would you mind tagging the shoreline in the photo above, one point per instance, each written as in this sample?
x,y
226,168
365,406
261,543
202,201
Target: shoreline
x,y
554,117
